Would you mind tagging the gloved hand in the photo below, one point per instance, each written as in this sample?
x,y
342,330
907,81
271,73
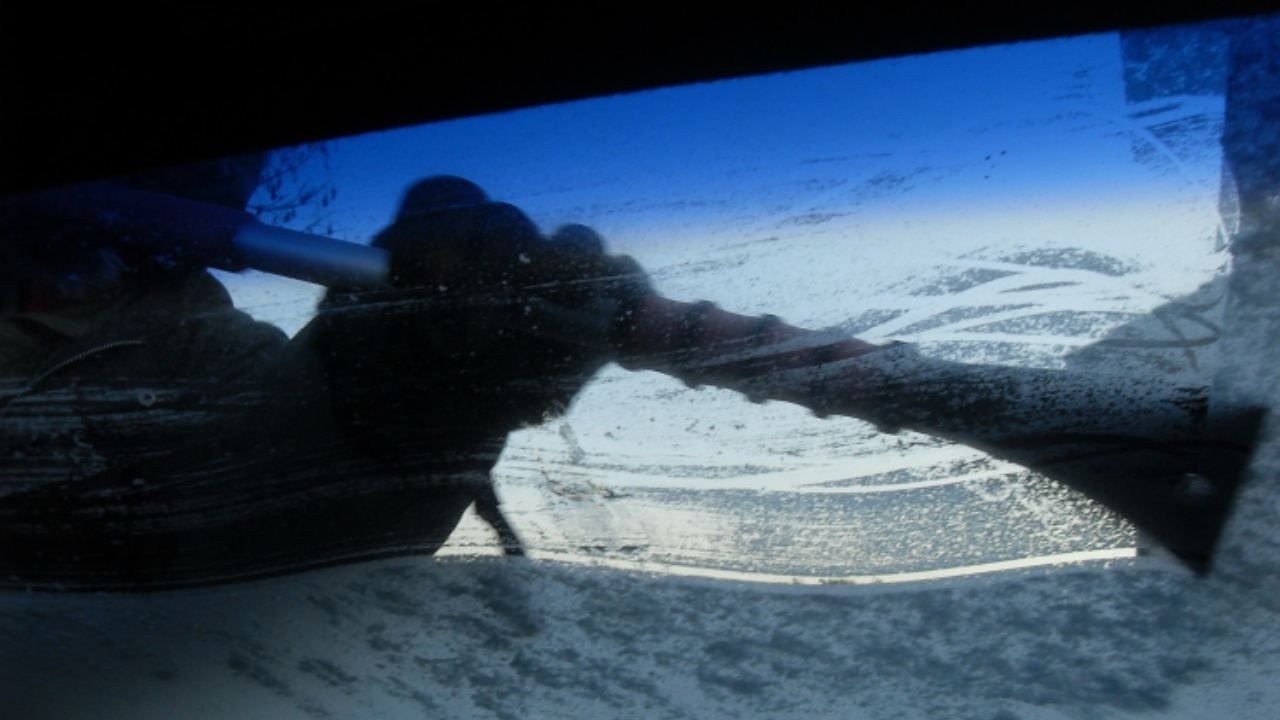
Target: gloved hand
x,y
484,307
488,326
489,271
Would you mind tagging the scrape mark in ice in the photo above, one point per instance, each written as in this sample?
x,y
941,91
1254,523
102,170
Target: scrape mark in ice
x,y
814,218
955,282
328,673
1066,259
958,314
1068,323
258,673
1041,286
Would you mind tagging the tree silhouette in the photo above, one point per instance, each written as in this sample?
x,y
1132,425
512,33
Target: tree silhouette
x,y
296,189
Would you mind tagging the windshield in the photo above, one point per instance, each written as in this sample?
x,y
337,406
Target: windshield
x,y
1012,205
1067,231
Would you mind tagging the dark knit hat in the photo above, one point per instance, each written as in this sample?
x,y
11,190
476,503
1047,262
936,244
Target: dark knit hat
x,y
442,192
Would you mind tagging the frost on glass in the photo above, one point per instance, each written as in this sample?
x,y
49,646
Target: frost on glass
x,y
1048,206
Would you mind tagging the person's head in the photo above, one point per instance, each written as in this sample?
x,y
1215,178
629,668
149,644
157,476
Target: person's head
x,y
451,246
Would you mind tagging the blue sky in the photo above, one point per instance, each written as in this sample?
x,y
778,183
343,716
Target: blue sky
x,y
727,140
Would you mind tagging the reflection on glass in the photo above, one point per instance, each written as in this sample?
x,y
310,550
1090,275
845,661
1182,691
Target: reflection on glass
x,y
1037,286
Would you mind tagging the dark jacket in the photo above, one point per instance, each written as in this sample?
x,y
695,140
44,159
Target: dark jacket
x,y
180,442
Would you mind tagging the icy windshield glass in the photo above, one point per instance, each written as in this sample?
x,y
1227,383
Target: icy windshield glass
x,y
1051,205
933,386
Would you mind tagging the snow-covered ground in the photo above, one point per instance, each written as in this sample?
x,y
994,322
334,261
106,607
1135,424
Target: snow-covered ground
x,y
697,555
